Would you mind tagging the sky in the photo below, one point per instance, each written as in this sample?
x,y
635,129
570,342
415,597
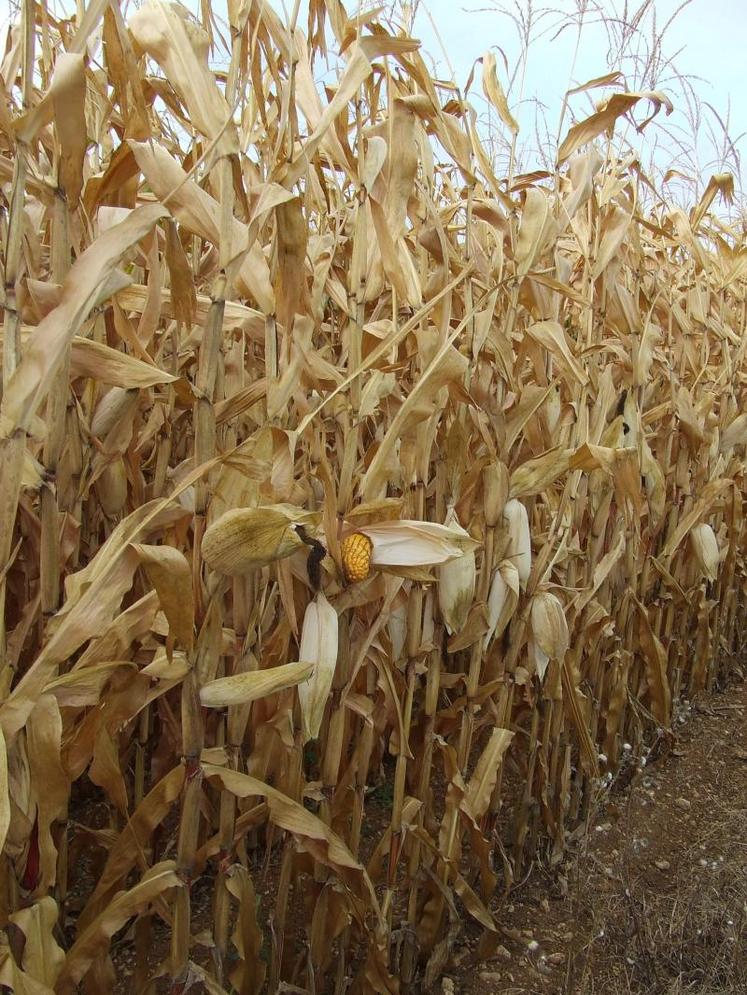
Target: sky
x,y
706,40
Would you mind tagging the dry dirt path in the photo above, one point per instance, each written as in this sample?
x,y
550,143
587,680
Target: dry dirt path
x,y
655,900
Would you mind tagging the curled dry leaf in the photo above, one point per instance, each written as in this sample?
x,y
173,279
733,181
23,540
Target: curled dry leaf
x,y
308,828
735,434
170,573
168,34
604,119
480,787
494,92
42,956
532,229
4,798
69,99
100,362
551,336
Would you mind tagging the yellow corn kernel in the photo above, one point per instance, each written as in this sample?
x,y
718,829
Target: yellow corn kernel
x,y
356,556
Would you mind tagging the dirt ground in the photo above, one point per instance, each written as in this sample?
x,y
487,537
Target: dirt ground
x,y
654,900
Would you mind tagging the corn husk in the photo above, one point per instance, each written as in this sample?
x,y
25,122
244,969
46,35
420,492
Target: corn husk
x,y
550,636
705,546
416,544
239,689
549,625
503,598
456,582
246,538
319,648
519,549
496,484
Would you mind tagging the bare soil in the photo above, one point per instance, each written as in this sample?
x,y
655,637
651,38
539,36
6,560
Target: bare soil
x,y
654,899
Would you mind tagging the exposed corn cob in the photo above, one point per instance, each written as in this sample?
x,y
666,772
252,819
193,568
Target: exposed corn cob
x,y
356,552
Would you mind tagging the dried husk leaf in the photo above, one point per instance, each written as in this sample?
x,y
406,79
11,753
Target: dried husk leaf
x,y
308,828
42,955
531,231
107,365
126,849
655,657
4,799
80,292
735,434
68,91
166,32
551,336
604,119
170,573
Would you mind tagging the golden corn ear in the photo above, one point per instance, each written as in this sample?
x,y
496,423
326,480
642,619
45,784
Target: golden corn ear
x,y
356,556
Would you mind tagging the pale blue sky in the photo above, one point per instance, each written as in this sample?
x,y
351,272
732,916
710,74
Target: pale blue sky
x,y
707,40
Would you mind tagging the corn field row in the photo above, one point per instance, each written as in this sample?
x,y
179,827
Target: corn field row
x,y
357,504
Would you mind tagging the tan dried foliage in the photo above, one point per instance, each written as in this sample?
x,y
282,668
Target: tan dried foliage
x,y
249,321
